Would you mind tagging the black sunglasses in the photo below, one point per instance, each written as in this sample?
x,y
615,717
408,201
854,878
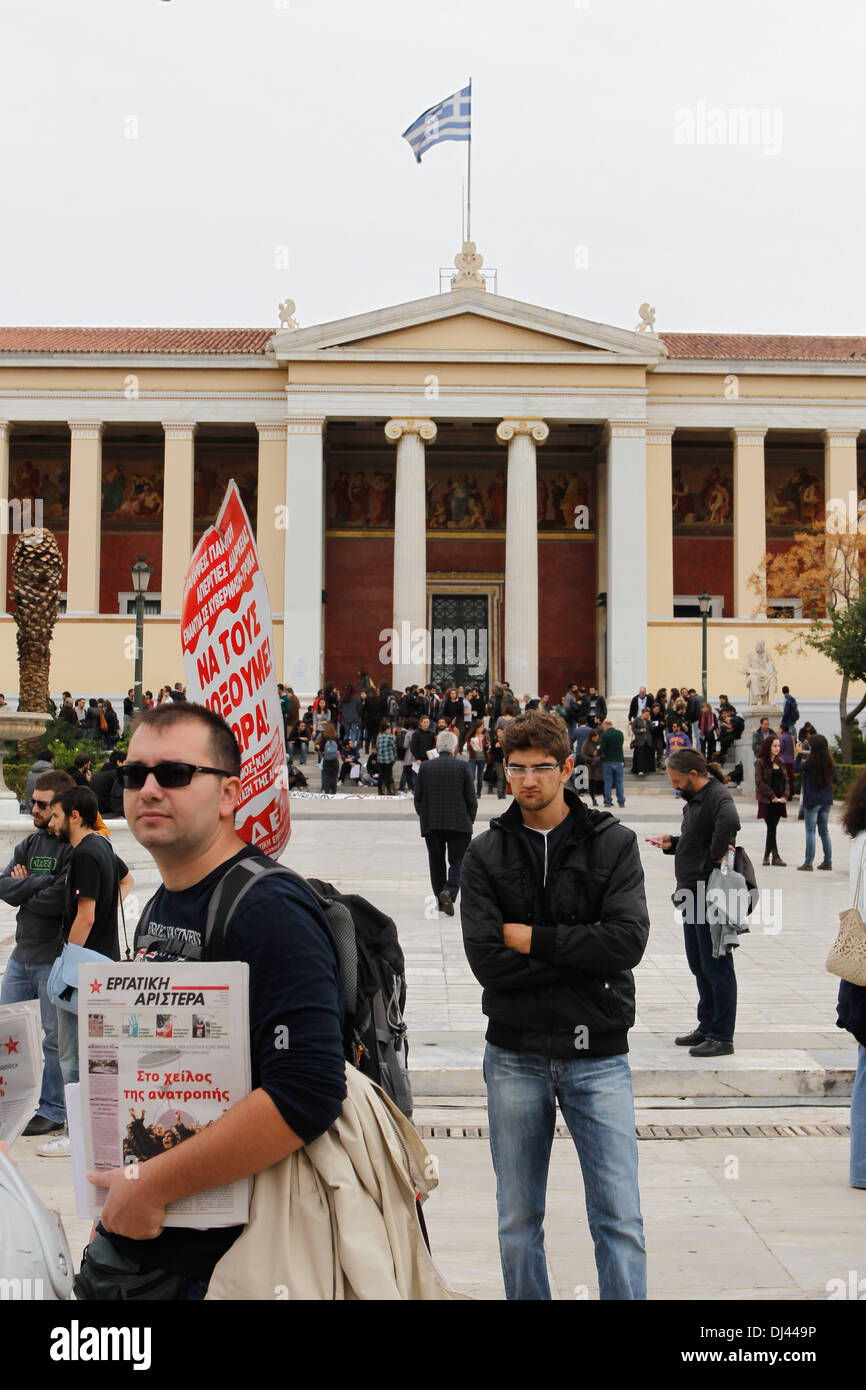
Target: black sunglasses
x,y
168,775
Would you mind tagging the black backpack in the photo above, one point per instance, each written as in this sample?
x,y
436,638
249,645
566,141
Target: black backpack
x,y
371,962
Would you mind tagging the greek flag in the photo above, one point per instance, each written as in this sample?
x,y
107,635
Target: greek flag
x,y
450,120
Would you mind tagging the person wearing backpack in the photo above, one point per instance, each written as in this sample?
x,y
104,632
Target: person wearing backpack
x,y
182,785
330,750
790,712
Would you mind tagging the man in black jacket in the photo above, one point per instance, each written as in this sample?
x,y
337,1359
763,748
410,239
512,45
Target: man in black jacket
x,y
34,881
709,827
446,802
554,919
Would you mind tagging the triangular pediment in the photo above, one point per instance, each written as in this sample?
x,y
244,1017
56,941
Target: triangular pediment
x,y
466,323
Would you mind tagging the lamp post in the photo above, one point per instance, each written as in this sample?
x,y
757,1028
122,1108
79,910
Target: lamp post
x,y
141,573
704,603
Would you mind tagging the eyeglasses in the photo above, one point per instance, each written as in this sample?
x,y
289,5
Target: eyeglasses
x,y
541,769
168,775
42,805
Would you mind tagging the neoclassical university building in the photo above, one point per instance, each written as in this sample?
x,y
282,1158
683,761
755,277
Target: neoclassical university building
x,y
461,487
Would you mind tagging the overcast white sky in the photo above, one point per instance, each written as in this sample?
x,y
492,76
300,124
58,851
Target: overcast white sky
x,y
264,124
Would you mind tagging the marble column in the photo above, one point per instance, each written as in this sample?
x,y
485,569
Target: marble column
x,y
85,517
521,554
626,564
410,550
840,502
303,612
659,517
750,525
272,514
5,429
177,513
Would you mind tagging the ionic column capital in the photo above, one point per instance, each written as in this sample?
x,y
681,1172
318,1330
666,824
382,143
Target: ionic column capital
x,y
425,429
86,429
272,431
179,429
660,434
835,438
506,430
750,437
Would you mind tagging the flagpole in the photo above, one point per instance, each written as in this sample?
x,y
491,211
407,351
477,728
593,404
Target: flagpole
x,y
469,172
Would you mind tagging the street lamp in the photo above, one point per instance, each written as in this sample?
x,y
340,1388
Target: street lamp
x,y
141,573
704,604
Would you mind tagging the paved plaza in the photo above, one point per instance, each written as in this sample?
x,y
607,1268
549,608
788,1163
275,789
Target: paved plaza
x,y
743,1158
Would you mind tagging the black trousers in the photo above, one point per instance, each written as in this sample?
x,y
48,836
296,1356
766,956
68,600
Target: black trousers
x,y
438,841
772,816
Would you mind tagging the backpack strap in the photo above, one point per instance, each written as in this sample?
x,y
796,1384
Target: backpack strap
x,y
234,885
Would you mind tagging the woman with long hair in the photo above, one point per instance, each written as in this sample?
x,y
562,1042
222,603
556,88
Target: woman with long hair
x,y
851,1005
709,727
816,797
476,746
771,789
328,746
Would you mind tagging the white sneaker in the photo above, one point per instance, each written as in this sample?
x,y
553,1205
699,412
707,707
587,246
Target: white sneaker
x,y
55,1148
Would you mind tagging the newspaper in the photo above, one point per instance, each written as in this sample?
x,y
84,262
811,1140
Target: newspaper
x,y
20,1066
164,1050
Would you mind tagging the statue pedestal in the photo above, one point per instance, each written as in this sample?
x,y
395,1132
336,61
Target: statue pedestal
x,y
743,747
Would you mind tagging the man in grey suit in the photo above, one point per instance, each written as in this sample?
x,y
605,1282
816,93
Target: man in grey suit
x,y
446,802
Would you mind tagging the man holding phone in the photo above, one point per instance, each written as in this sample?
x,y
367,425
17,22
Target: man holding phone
x,y
709,827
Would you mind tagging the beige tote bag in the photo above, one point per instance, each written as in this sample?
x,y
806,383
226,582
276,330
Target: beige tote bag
x,y
847,959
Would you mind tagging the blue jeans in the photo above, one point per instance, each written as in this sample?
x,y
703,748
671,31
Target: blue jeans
x,y
67,1041
301,750
596,1101
612,772
22,982
717,983
818,815
858,1122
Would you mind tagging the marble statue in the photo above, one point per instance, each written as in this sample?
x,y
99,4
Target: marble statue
x,y
762,680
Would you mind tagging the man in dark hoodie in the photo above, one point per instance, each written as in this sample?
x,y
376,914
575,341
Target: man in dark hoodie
x,y
554,919
34,881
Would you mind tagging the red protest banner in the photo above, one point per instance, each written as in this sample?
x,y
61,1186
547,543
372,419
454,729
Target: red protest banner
x,y
228,654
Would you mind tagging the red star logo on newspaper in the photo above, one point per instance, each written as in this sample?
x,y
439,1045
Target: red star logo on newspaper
x,y
11,1046
95,986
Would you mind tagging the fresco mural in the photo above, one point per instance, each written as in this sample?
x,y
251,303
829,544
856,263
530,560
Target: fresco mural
x,y
34,478
132,494
795,496
703,498
458,499
213,472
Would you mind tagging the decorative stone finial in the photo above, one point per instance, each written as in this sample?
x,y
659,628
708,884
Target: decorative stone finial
x,y
468,263
287,309
647,319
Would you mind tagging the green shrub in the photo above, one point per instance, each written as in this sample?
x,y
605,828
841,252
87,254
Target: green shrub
x,y
858,746
846,773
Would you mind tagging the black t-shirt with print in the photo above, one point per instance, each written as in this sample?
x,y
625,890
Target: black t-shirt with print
x,y
95,872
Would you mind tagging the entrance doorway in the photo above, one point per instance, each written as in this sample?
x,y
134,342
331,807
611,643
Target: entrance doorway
x,y
460,647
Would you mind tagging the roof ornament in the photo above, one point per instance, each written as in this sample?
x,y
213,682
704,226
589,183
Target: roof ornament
x,y
647,319
468,263
287,320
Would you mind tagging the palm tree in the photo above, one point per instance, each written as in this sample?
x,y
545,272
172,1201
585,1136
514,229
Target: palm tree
x,y
37,566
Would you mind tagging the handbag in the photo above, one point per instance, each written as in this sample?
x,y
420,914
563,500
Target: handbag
x,y
62,987
847,957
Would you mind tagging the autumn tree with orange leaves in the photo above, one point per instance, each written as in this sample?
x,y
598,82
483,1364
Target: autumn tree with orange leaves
x,y
824,569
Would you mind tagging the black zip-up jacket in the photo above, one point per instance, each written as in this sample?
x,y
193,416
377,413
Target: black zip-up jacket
x,y
710,823
573,995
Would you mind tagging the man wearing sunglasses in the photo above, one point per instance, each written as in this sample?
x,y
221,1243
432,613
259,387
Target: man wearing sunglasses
x,y
554,919
34,882
182,784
